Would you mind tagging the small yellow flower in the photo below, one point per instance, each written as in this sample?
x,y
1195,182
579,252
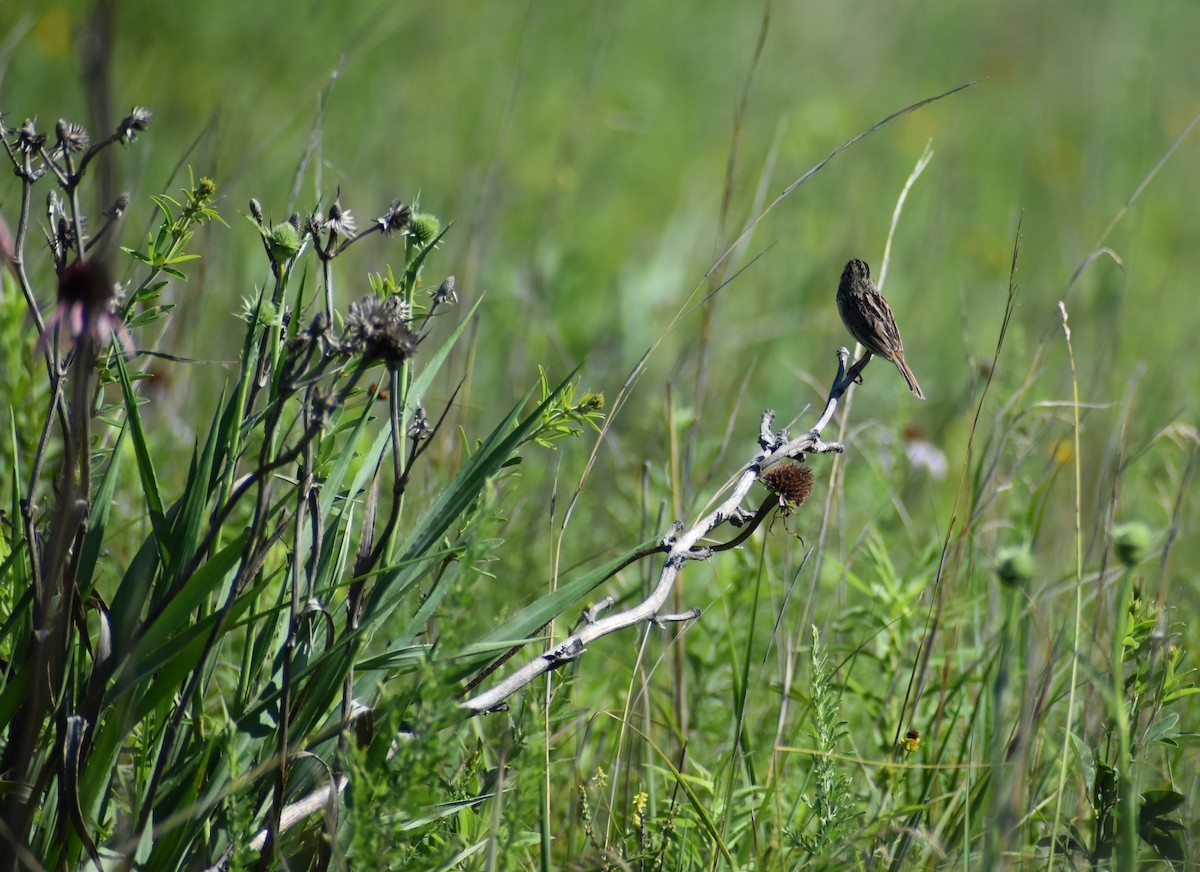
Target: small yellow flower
x,y
639,803
911,741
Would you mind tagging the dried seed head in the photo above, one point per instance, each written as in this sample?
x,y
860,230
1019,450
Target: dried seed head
x,y
71,137
118,207
340,221
134,123
64,232
792,481
396,218
29,141
419,428
317,330
377,328
444,293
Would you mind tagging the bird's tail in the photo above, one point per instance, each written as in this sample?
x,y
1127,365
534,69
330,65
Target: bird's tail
x,y
909,378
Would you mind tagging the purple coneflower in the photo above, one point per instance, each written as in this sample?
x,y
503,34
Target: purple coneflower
x,y
85,296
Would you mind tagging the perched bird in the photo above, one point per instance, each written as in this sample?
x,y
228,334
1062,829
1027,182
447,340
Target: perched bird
x,y
869,319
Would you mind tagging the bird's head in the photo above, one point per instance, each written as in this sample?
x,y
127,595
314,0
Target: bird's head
x,y
856,269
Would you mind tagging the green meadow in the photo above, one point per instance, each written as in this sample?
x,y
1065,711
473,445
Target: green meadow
x,y
355,358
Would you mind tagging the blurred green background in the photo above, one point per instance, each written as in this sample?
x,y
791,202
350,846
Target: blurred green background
x,y
594,164
581,151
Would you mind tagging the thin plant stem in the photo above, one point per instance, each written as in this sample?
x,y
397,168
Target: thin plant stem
x,y
1064,753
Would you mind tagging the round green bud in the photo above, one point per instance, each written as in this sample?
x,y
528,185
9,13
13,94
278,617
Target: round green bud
x,y
424,228
1014,565
206,190
1131,542
284,242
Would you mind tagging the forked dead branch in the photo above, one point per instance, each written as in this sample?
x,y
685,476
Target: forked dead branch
x,y
682,545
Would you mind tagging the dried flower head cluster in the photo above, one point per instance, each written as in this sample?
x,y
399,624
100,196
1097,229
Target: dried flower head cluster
x,y
379,329
70,139
792,481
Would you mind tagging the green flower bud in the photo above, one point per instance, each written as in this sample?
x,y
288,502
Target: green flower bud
x,y
1014,565
424,228
284,242
206,190
1131,542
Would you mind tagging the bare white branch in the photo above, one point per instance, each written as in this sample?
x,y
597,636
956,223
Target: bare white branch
x,y
682,545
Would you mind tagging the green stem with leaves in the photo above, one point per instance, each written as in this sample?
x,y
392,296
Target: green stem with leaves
x,y
1126,841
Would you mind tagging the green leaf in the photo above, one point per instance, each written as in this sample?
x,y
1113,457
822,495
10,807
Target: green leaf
x,y
1156,803
154,504
1163,729
515,630
449,504
176,615
102,503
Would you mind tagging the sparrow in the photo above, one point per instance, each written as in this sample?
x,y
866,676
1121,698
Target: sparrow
x,y
869,319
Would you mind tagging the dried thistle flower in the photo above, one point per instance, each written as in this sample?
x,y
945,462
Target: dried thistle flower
x,y
317,330
395,218
72,137
444,293
377,328
792,481
29,141
134,123
419,428
118,207
340,221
